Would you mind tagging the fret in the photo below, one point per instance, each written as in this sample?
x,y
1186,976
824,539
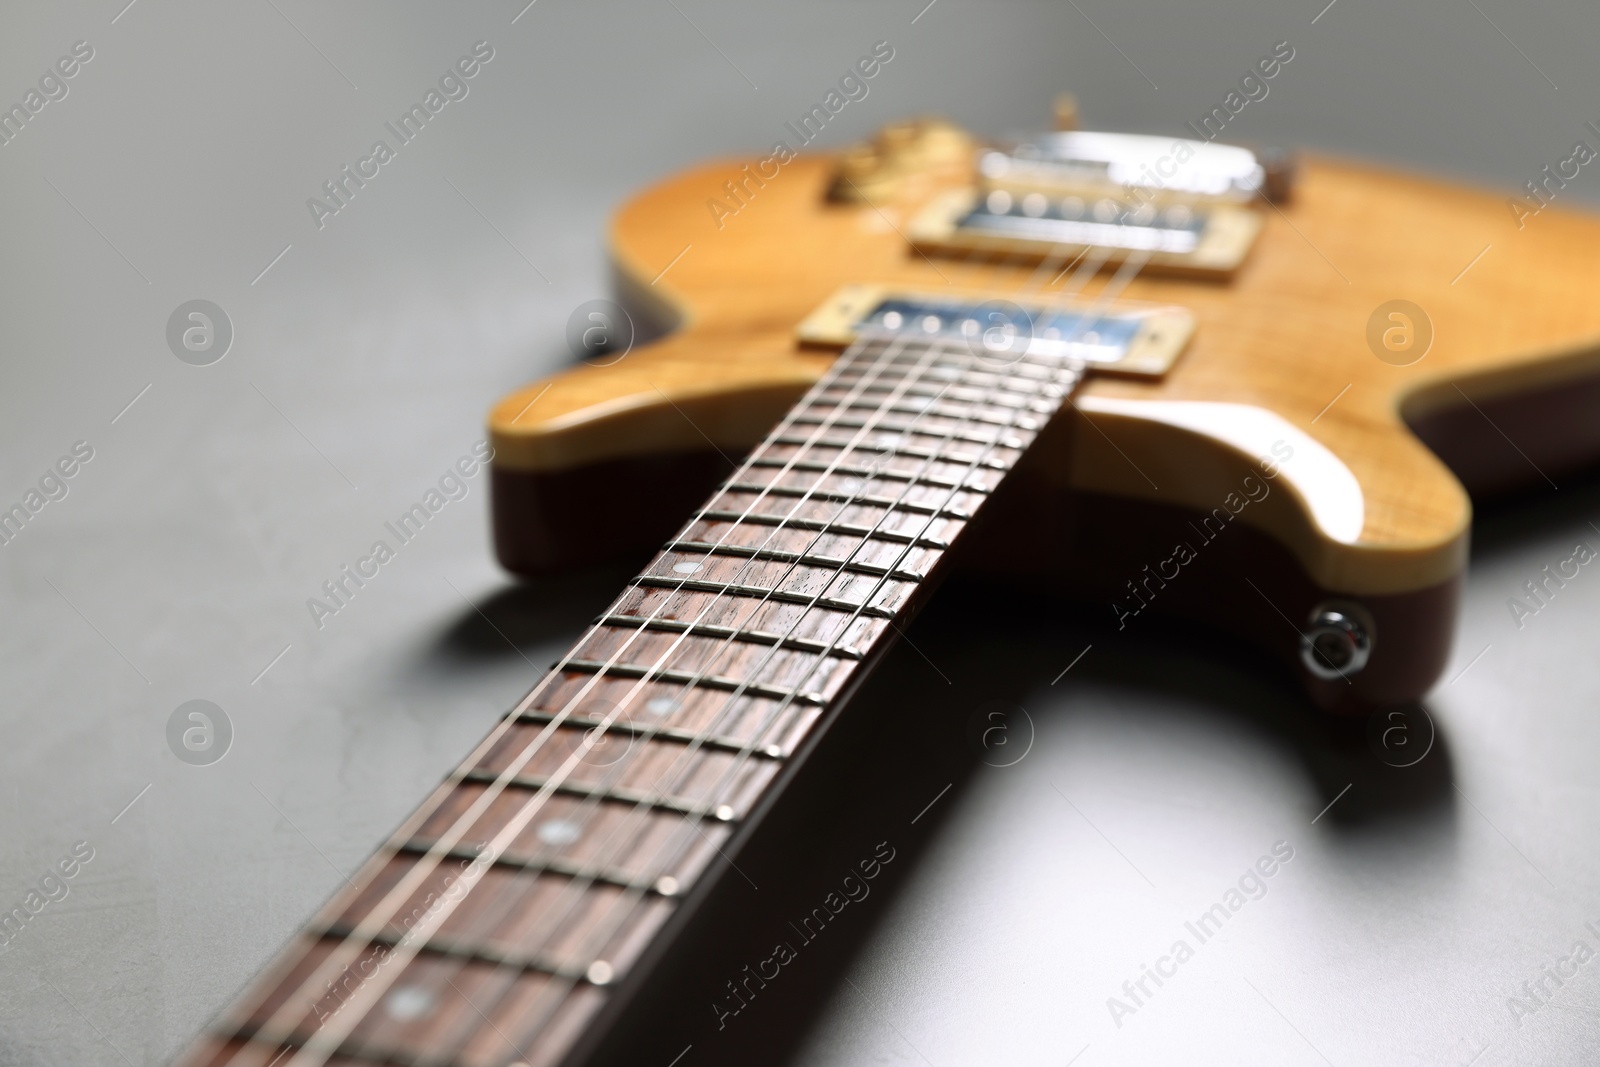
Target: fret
x,y
536,920
993,389
760,637
734,665
865,472
506,1008
803,622
829,586
662,849
850,498
683,677
906,490
989,394
780,556
681,777
743,718
637,797
903,429
912,444
958,362
926,482
610,876
740,589
466,950
792,544
989,410
883,518
928,406
665,733
384,877
858,387
922,421
781,573
976,470
894,490
945,471
821,526
438,1003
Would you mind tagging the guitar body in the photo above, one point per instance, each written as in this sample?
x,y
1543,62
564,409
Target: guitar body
x,y
1371,462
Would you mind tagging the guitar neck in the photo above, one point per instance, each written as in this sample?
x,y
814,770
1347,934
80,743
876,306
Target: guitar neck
x,y
524,901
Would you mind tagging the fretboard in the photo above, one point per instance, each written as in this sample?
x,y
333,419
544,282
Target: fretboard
x,y
528,895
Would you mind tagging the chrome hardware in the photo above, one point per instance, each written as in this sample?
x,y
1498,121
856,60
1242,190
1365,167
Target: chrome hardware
x,y
1337,641
1165,167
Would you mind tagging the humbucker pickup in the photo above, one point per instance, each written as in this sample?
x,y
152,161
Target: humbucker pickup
x,y
1171,204
1208,239
1139,340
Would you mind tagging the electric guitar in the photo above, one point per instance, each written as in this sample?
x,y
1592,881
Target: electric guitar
x,y
1168,376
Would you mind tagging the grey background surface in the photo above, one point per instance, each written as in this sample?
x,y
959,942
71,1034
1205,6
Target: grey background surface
x,y
179,563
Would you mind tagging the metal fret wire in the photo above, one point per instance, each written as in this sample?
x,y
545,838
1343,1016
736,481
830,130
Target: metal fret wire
x,y
279,1029
447,787
632,895
1124,275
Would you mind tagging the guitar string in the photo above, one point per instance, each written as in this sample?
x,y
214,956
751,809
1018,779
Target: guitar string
x,y
807,446
834,402
1123,276
685,763
624,834
638,820
1129,269
627,833
401,893
632,897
